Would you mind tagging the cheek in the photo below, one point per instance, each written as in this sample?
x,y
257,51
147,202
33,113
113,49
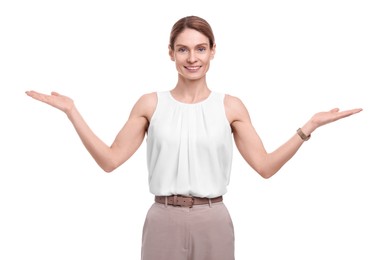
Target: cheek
x,y
208,59
180,59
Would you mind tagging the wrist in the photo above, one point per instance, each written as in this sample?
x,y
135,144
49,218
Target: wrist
x,y
71,112
303,136
306,130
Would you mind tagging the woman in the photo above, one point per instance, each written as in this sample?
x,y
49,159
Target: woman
x,y
189,150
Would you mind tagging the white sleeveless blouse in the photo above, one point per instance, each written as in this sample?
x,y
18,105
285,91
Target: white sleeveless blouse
x,y
189,147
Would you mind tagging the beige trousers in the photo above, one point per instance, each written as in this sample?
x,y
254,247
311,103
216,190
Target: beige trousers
x,y
203,232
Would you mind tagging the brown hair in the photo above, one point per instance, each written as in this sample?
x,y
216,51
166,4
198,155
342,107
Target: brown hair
x,y
191,22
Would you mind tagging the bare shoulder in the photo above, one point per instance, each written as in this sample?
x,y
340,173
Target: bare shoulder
x,y
148,98
235,109
146,104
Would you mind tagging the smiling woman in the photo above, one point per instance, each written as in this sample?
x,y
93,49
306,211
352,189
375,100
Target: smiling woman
x,y
192,46
190,132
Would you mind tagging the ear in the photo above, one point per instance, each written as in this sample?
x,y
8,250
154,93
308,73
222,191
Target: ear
x,y
171,53
213,51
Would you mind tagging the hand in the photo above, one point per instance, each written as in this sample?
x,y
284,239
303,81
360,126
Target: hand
x,y
323,118
56,100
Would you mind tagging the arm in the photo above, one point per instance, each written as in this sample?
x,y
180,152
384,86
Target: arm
x,y
127,141
251,147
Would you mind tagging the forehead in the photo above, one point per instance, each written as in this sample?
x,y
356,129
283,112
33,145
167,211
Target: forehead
x,y
191,37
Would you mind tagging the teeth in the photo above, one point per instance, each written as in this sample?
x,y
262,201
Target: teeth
x,y
193,68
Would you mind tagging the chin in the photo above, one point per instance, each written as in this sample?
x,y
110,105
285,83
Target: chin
x,y
194,77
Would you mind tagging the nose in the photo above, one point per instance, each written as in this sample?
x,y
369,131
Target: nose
x,y
192,57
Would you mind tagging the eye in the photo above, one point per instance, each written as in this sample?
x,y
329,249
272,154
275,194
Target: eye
x,y
202,49
181,49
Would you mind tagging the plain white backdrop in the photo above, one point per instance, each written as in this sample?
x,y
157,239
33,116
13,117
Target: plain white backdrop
x,y
286,60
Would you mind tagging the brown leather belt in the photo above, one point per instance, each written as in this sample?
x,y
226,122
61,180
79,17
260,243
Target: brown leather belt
x,y
186,201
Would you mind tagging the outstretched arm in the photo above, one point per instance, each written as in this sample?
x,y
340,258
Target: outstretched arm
x,y
251,147
127,141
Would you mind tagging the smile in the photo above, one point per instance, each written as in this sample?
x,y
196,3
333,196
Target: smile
x,y
192,68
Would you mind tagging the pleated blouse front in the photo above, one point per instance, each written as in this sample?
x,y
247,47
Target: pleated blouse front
x,y
189,147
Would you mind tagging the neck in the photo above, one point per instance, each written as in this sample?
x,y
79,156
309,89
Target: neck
x,y
191,91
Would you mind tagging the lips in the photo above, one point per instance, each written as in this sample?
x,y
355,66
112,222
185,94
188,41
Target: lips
x,y
192,68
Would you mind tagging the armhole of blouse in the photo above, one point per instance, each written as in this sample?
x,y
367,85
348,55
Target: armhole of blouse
x,y
223,99
155,110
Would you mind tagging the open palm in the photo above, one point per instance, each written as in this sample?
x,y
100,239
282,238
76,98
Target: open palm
x,y
56,100
323,118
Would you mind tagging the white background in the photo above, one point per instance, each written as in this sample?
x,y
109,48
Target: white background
x,y
286,60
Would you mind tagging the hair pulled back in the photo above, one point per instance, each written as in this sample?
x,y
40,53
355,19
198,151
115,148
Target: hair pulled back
x,y
191,22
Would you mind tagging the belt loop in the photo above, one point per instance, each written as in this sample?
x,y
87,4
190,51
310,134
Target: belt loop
x,y
165,201
210,202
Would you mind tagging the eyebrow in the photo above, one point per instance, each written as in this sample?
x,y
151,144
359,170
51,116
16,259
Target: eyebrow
x,y
200,44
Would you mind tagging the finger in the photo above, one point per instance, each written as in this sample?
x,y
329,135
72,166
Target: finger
x,y
31,92
354,111
39,96
348,113
334,110
55,93
34,94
